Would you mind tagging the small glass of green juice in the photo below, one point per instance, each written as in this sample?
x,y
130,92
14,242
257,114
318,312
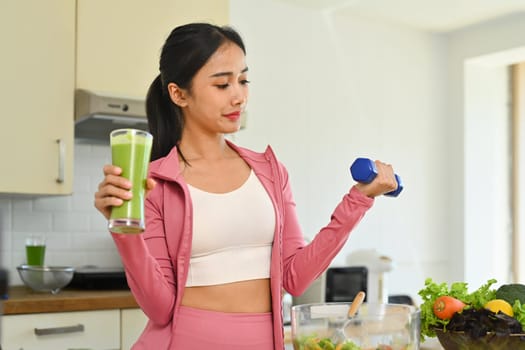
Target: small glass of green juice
x,y
35,250
131,151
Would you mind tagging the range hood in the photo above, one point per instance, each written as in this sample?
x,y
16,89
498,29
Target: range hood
x,y
97,114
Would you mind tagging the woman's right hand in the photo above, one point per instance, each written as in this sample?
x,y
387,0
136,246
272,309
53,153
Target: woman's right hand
x,y
114,189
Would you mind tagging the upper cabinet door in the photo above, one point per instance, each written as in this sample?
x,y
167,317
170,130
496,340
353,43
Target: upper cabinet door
x,y
119,41
37,81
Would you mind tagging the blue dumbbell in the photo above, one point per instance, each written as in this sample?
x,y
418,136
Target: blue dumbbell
x,y
364,170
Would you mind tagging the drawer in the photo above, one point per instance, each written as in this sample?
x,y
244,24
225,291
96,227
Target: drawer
x,y
133,322
86,330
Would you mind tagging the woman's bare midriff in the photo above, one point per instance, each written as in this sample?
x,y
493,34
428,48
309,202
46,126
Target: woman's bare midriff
x,y
244,296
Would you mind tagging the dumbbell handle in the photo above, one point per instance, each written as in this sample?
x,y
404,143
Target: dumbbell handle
x,y
364,170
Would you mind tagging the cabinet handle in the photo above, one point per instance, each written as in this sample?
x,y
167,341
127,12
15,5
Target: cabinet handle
x,y
61,160
59,330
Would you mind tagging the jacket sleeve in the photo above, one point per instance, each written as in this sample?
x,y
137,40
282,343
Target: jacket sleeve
x,y
147,263
303,263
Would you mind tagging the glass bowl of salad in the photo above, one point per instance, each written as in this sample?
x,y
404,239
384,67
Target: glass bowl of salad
x,y
375,326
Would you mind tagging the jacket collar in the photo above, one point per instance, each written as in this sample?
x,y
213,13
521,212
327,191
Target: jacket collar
x,y
168,168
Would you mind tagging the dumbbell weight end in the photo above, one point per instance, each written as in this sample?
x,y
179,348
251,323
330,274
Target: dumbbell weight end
x,y
364,170
399,188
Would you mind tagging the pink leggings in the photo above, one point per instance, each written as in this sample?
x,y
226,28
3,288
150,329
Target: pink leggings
x,y
204,329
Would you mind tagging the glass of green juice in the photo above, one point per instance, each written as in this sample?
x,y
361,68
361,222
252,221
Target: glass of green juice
x,y
131,150
35,250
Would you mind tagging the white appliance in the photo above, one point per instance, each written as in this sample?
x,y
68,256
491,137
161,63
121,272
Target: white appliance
x,y
378,265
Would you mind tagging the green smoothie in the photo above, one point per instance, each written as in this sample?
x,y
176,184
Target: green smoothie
x,y
35,254
130,150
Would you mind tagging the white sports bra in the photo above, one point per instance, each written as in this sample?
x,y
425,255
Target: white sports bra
x,y
232,235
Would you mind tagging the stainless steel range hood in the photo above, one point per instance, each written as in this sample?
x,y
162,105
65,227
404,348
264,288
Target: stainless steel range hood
x,y
97,114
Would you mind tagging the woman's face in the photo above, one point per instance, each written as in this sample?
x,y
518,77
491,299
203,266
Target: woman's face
x,y
219,92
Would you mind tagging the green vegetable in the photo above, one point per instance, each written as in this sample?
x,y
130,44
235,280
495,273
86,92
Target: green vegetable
x,y
326,344
350,346
511,292
458,290
514,294
314,342
481,296
519,312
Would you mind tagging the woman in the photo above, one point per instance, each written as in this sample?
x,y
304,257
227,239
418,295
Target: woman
x,y
222,238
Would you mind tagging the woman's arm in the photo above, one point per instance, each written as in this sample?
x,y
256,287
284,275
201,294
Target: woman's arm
x,y
304,263
147,263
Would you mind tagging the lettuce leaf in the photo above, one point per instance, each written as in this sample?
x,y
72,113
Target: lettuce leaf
x,y
519,312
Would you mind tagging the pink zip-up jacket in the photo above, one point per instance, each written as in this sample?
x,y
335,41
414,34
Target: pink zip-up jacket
x,y
156,262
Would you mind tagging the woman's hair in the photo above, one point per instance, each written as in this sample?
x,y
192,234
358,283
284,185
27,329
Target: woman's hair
x,y
186,50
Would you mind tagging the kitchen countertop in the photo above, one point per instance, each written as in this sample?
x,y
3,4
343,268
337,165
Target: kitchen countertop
x,y
23,300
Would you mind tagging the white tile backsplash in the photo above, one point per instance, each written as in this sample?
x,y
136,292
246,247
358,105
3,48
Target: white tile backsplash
x,y
70,222
83,202
30,221
52,204
5,216
82,183
75,231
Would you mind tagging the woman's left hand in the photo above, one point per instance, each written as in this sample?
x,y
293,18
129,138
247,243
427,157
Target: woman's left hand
x,y
384,182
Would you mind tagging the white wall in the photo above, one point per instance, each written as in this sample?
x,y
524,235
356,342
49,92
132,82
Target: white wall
x,y
521,175
484,48
488,226
329,88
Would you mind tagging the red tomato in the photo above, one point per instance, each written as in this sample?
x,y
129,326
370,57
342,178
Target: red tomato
x,y
446,306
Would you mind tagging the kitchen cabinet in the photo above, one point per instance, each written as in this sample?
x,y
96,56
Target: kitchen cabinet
x,y
106,329
132,323
115,313
119,41
62,330
37,70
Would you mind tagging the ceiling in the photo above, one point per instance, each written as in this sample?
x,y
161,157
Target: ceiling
x,y
433,15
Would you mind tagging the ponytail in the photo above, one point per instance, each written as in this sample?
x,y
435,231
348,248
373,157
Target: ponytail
x,y
164,119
